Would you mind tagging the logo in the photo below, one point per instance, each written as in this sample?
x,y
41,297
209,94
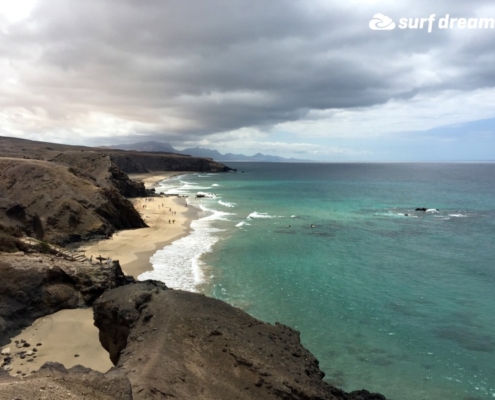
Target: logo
x,y
381,22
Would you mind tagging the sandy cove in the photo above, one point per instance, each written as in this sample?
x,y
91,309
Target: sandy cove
x,y
69,336
134,248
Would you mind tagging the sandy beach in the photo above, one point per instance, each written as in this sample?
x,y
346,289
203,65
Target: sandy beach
x,y
133,248
68,333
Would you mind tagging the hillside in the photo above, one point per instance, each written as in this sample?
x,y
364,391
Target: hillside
x,y
60,193
200,152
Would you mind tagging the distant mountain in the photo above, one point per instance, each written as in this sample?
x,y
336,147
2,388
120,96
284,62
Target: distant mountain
x,y
204,152
146,146
201,152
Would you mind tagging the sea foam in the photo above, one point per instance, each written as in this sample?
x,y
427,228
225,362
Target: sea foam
x,y
256,214
226,204
242,223
178,265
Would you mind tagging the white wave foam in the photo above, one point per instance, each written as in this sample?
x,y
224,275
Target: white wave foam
x,y
192,186
242,224
458,215
293,216
394,214
208,195
226,204
432,210
179,265
215,184
260,215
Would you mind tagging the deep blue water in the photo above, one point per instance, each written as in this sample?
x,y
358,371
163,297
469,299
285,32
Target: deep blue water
x,y
399,304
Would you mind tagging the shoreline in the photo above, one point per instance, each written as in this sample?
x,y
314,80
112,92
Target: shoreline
x,y
133,248
142,262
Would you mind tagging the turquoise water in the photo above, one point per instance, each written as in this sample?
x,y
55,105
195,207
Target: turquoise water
x,y
401,305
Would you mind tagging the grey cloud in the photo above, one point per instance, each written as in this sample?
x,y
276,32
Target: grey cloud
x,y
222,65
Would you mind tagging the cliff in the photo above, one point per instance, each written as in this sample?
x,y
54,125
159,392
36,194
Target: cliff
x,y
60,204
136,162
127,161
35,285
62,194
187,346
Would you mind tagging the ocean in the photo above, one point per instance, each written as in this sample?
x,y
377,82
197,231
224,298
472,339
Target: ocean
x,y
390,299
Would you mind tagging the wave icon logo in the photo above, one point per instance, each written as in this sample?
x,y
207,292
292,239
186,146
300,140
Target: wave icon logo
x,y
381,22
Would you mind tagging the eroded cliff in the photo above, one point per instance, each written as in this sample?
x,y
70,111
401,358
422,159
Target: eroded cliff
x,y
187,346
35,285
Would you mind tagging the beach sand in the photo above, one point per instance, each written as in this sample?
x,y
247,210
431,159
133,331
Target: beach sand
x,y
70,332
62,335
133,248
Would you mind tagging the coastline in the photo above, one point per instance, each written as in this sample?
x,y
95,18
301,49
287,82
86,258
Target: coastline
x,y
133,249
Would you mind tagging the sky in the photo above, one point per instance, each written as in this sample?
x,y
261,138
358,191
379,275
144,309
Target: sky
x,y
304,79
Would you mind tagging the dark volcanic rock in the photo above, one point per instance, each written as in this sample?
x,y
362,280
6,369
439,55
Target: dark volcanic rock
x,y
62,194
53,381
99,167
186,346
49,201
127,161
34,286
135,161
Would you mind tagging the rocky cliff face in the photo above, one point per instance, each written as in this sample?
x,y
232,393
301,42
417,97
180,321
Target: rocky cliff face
x,y
36,285
63,194
60,204
127,161
187,346
99,167
136,162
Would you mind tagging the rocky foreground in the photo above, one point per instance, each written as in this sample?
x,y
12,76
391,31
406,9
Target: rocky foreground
x,y
176,344
35,285
164,343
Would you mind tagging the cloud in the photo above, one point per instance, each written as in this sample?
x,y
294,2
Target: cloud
x,y
381,22
107,70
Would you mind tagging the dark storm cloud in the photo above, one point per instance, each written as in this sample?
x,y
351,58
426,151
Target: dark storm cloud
x,y
214,66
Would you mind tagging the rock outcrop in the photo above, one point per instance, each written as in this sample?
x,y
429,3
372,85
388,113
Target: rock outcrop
x,y
127,161
99,167
32,286
63,194
53,381
175,344
60,204
136,162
